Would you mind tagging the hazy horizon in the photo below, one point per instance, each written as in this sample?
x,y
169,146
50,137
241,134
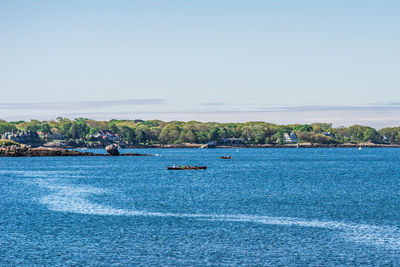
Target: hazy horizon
x,y
378,116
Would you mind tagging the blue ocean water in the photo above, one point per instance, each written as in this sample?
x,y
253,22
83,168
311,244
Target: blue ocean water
x,y
269,207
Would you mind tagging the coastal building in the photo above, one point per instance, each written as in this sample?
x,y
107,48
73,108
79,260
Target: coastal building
x,y
233,141
211,144
386,139
105,136
329,134
290,138
52,136
22,137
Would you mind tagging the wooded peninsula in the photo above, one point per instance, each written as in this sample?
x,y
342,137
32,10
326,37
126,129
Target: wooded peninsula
x,y
83,132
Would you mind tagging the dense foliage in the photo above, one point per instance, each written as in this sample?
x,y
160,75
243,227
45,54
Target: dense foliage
x,y
175,132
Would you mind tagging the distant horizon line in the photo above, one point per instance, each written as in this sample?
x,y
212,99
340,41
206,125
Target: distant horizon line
x,y
377,115
54,105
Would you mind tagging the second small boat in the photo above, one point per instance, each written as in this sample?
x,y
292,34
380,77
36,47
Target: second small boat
x,y
226,157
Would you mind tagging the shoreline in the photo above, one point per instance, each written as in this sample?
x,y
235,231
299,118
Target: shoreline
x,y
25,151
300,145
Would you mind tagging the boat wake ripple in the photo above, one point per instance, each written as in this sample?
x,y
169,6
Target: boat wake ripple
x,y
74,199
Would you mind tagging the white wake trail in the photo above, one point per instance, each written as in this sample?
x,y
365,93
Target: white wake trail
x,y
74,199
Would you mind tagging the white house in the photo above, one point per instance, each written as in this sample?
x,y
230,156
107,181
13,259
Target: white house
x,y
290,138
329,134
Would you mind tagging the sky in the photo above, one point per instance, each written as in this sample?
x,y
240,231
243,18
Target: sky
x,y
230,61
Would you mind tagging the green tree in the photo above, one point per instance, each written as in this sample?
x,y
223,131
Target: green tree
x,y
127,134
303,128
370,134
321,127
170,133
81,129
7,127
32,128
188,135
215,134
113,128
143,134
45,128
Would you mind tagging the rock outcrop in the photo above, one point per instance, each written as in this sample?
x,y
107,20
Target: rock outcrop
x,y
112,150
27,151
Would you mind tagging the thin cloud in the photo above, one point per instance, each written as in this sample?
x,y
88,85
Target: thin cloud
x,y
214,104
81,104
258,108
334,108
389,104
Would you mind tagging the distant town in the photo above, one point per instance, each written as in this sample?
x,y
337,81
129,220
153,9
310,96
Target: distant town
x,y
88,133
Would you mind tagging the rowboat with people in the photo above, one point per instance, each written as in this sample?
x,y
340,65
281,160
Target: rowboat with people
x,y
187,167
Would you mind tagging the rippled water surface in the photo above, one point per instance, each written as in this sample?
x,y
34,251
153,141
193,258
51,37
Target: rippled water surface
x,y
263,207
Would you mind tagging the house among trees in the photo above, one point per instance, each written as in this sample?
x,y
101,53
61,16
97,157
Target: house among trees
x,y
211,144
290,138
329,134
22,137
105,136
233,141
52,136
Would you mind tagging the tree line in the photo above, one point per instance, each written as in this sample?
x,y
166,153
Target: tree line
x,y
176,132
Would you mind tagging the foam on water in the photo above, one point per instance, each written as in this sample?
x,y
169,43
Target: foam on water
x,y
40,174
32,173
74,199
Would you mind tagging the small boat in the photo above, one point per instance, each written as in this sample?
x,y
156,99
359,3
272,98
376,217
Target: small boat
x,y
226,157
187,168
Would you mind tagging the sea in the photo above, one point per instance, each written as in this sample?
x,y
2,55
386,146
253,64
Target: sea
x,y
263,207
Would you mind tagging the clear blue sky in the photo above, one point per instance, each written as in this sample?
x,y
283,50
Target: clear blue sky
x,y
203,57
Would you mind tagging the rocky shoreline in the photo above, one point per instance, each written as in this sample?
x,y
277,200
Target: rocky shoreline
x,y
27,151
313,145
299,145
302,145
